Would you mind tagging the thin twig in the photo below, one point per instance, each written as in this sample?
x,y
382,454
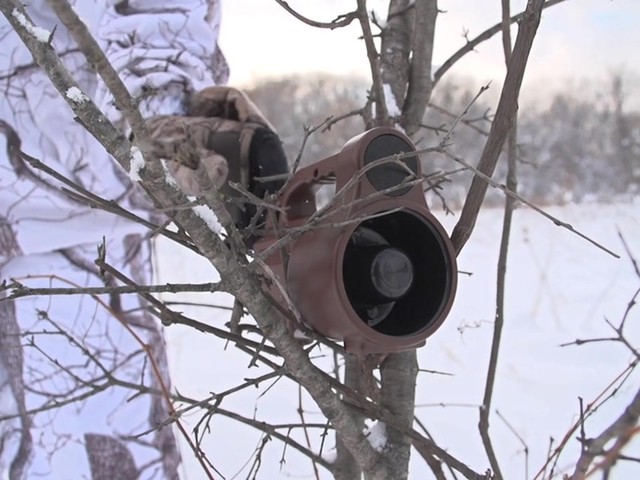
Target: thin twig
x,y
382,115
339,22
19,290
555,220
486,35
622,427
591,407
521,440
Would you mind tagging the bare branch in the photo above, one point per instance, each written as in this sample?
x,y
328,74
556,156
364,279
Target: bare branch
x,y
377,90
612,386
486,35
334,120
525,447
508,192
510,204
622,427
502,124
307,132
94,201
339,22
395,48
420,83
96,57
18,290
92,118
345,466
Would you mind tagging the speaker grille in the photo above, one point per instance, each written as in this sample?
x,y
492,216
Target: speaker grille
x,y
389,175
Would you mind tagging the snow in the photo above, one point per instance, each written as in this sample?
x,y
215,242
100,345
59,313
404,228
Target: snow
x,y
136,164
167,175
207,215
75,95
559,288
40,34
331,456
202,211
392,104
377,435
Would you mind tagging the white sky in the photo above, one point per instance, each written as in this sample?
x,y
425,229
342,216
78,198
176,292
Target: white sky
x,y
577,39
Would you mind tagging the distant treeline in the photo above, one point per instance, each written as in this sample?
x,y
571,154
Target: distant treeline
x,y
573,146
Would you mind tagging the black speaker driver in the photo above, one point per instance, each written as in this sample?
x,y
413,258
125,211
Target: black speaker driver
x,y
397,274
376,275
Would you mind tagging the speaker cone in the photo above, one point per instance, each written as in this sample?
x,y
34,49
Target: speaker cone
x,y
397,274
376,275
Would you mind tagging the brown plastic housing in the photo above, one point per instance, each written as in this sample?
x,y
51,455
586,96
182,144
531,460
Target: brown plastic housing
x,y
379,204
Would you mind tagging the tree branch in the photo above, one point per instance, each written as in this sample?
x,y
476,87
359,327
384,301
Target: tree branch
x,y
420,84
620,428
534,207
395,49
510,203
96,57
339,22
18,290
502,124
486,35
377,90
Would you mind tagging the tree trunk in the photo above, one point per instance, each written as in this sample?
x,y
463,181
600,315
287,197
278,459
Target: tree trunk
x,y
398,374
345,467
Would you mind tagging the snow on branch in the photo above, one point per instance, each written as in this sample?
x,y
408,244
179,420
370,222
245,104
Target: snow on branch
x,y
38,33
75,95
377,435
136,164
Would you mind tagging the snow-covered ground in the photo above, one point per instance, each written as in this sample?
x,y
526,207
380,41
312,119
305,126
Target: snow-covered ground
x,y
559,288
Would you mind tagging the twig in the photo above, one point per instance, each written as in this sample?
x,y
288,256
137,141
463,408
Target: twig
x,y
620,428
308,131
95,201
149,354
334,120
456,121
382,115
430,437
588,410
339,22
486,35
96,57
521,440
469,123
499,186
305,429
501,273
18,290
502,123
632,259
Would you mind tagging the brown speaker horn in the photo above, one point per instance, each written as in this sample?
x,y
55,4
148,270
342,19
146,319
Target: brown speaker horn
x,y
373,267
